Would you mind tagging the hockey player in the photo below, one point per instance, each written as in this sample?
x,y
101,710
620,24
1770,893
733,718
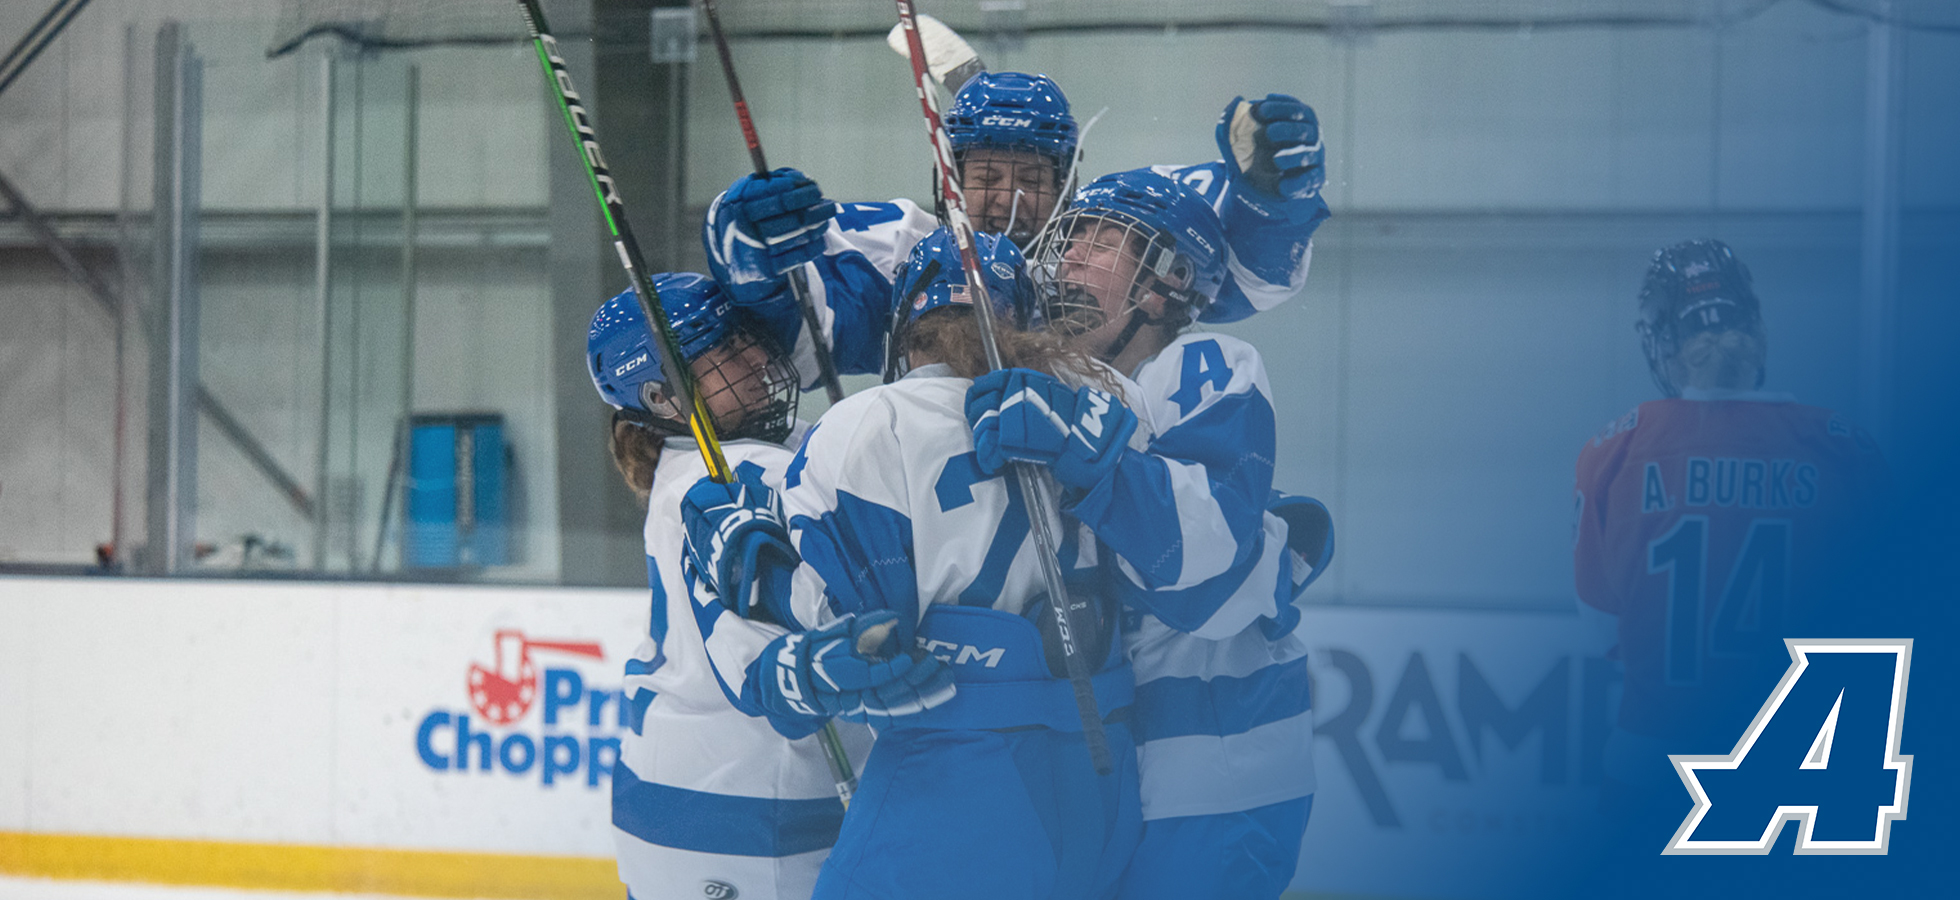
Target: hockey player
x,y
990,793
1710,525
1223,716
703,795
1011,132
1014,141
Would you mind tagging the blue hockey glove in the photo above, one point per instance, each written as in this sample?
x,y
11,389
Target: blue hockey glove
x,y
855,668
766,225
1273,147
1024,415
738,540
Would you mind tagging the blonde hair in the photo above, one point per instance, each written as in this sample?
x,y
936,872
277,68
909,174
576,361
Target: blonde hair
x,y
955,341
635,452
1729,358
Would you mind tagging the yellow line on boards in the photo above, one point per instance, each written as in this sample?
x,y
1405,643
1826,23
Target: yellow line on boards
x,y
293,867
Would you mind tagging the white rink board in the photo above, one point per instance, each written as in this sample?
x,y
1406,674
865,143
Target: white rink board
x,y
289,713
1454,812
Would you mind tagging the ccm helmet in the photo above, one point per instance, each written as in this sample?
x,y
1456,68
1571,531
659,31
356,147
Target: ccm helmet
x,y
625,368
933,278
1013,111
1164,228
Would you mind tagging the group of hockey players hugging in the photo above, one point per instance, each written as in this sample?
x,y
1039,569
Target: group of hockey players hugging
x,y
875,571
872,584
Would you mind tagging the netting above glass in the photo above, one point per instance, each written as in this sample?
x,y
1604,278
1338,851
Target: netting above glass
x,y
411,23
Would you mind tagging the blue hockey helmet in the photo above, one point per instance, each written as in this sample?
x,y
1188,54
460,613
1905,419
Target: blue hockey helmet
x,y
1692,287
933,277
625,367
1013,111
1127,236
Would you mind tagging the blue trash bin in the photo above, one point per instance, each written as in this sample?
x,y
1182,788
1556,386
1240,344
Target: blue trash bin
x,y
458,505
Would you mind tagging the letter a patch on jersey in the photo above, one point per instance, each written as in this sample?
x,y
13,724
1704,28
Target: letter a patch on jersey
x,y
1204,364
1823,752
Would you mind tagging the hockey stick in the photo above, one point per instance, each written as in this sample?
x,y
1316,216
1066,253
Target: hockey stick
x,y
951,60
1037,486
826,371
680,379
841,771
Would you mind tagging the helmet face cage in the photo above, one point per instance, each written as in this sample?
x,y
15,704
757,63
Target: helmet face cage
x,y
1095,266
750,389
1009,192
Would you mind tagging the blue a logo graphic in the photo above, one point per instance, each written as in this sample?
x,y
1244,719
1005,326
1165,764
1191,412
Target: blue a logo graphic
x,y
1823,751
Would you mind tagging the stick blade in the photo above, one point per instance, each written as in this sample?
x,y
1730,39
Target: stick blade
x,y
949,58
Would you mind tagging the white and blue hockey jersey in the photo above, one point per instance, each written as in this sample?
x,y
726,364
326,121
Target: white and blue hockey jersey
x,y
988,794
889,509
1266,262
702,792
850,285
1222,714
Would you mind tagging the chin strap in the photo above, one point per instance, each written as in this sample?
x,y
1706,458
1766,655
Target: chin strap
x,y
1177,314
640,418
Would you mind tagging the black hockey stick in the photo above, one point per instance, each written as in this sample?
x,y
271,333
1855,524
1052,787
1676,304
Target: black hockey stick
x,y
841,770
798,285
680,379
1037,486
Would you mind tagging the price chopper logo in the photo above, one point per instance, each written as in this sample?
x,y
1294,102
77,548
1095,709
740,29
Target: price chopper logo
x,y
575,733
1822,752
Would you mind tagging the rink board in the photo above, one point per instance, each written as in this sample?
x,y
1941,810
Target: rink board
x,y
304,736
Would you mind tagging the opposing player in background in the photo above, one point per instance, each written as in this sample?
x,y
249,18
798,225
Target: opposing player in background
x,y
984,791
1223,715
704,795
1710,525
1017,145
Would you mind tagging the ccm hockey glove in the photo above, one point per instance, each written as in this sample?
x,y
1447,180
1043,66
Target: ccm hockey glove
x,y
855,668
764,226
1028,416
1272,147
738,540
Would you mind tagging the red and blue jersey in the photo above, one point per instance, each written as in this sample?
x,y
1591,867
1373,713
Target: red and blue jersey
x,y
1714,526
